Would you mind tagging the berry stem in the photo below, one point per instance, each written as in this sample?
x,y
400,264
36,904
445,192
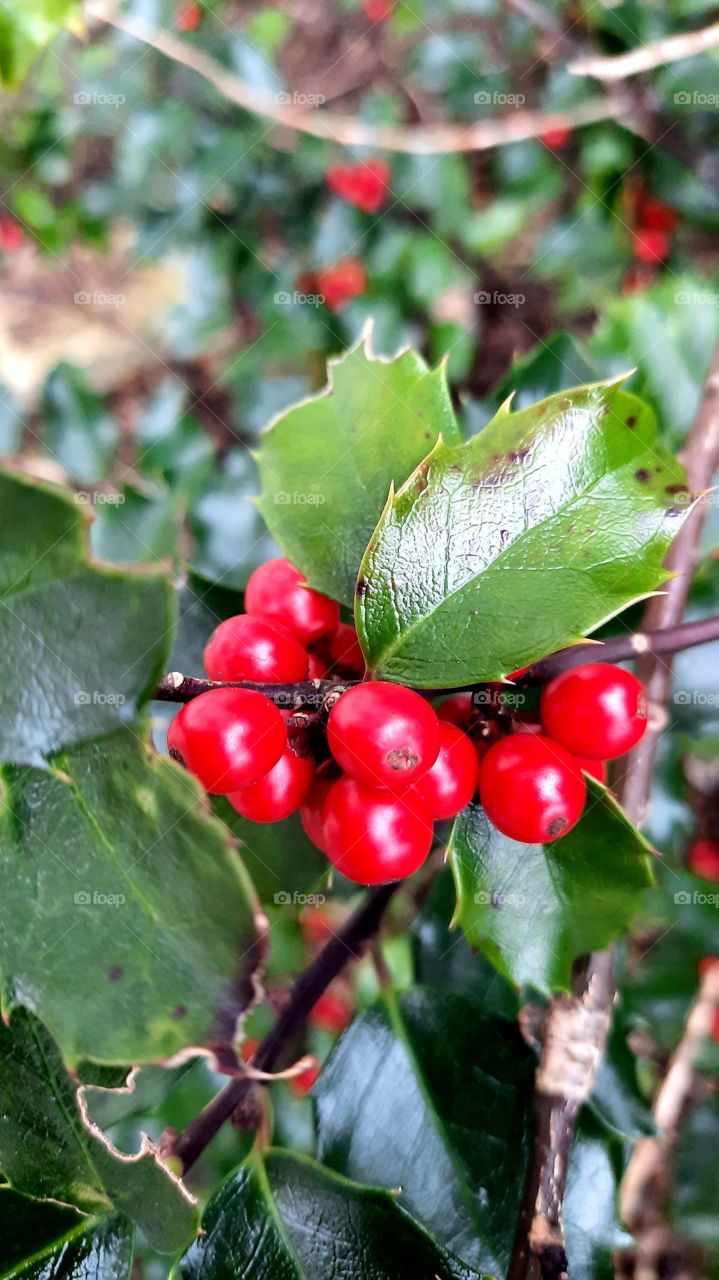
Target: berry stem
x,y
306,695
344,946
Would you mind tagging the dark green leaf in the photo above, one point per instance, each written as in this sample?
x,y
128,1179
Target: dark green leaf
x,y
131,526
283,863
617,1098
534,908
230,537
284,1217
45,1242
520,541
82,645
11,421
425,1093
126,923
47,1150
78,431
326,465
172,446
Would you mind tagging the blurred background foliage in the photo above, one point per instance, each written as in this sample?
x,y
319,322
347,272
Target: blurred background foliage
x,y
161,254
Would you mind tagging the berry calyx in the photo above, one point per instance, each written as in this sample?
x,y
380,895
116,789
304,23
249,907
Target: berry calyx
x,y
251,648
339,284
532,789
228,738
649,245
364,184
279,793
597,711
703,859
373,836
451,782
383,733
278,591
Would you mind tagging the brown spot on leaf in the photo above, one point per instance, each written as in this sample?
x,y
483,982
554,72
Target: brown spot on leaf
x,y
642,475
676,488
179,1011
115,972
362,588
631,421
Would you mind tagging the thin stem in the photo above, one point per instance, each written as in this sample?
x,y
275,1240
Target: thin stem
x,y
315,695
666,640
344,946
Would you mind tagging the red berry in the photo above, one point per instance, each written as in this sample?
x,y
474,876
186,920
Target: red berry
x,y
383,733
11,234
302,1083
457,710
364,184
705,964
279,793
312,812
330,1013
595,768
318,668
650,246
188,17
655,215
277,590
531,788
248,648
378,10
339,284
373,836
556,138
449,785
317,926
597,711
344,650
704,859
248,1049
228,738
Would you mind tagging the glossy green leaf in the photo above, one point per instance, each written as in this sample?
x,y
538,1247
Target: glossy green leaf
x,y
534,908
520,541
48,1151
284,1217
78,431
326,465
81,645
42,1241
126,922
426,1093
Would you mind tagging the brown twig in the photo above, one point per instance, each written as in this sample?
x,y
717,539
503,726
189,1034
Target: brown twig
x,y
431,139
656,53
633,645
314,695
646,1182
576,1026
344,946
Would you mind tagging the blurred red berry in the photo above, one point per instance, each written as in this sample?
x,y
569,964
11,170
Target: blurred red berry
x,y
703,859
302,1083
655,215
188,17
556,138
378,10
364,184
330,1013
11,234
339,284
650,246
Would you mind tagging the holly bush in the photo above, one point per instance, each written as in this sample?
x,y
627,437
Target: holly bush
x,y
359,797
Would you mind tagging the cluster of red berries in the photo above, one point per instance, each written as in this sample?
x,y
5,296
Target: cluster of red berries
x,y
364,184
394,765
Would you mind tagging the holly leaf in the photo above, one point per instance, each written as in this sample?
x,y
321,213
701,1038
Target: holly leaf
x,y
127,922
81,645
42,1241
49,1151
78,431
282,1216
453,1088
520,541
534,908
327,463
284,865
